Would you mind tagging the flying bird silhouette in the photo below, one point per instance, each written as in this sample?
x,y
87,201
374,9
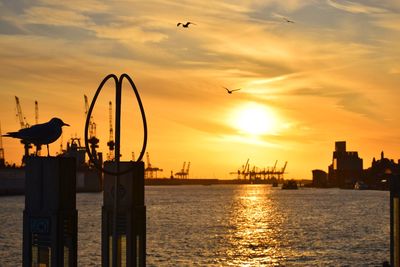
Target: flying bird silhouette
x,y
231,91
288,20
185,25
40,134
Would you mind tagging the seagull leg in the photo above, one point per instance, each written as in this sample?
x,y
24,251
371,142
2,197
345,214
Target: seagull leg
x,y
38,148
48,153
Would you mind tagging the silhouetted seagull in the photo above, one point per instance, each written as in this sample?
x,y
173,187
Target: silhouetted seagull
x,y
40,134
288,21
231,91
186,25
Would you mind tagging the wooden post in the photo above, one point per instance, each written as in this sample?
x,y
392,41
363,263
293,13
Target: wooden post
x,y
50,215
394,182
131,216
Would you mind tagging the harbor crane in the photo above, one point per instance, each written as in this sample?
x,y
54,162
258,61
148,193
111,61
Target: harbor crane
x,y
187,170
255,173
150,171
37,120
22,120
184,173
244,171
2,160
92,124
110,143
246,168
23,124
93,140
274,168
282,171
36,112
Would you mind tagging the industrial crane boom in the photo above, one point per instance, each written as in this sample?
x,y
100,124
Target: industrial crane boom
x,y
20,116
92,125
187,168
284,167
110,142
36,112
1,149
273,169
111,137
148,160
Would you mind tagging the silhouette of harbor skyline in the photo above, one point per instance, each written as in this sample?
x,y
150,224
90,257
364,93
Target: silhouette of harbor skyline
x,y
330,75
347,171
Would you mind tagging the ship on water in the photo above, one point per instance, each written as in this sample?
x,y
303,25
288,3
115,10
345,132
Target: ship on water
x,y
88,179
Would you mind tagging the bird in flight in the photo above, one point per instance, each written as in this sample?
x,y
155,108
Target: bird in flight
x,y
185,25
231,91
288,20
40,134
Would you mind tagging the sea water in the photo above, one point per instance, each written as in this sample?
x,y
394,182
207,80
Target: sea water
x,y
234,225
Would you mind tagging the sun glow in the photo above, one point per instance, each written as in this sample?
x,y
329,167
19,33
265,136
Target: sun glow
x,y
254,119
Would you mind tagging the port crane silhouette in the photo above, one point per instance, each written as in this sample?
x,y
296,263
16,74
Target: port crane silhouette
x,y
253,173
110,143
23,124
93,140
36,112
150,171
184,173
2,160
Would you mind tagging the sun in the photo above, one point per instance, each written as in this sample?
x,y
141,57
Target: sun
x,y
253,119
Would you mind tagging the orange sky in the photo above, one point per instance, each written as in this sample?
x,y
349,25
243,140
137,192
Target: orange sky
x,y
332,75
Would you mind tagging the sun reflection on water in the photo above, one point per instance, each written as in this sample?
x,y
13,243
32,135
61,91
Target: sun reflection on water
x,y
253,238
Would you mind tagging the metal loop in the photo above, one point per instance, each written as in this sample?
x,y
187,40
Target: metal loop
x,y
118,84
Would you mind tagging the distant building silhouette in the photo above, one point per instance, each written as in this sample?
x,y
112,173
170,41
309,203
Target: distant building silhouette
x,y
320,178
347,170
346,167
376,176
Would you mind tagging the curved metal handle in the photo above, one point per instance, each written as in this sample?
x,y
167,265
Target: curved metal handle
x,y
118,87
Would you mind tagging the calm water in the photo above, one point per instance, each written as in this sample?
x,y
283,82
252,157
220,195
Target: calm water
x,y
235,225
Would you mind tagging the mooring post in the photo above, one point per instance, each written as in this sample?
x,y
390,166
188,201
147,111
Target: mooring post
x,y
50,215
131,216
394,183
123,211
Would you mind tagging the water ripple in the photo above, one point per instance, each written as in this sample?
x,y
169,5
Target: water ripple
x,y
235,225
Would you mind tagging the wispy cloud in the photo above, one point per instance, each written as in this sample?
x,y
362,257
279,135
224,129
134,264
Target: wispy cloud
x,y
357,8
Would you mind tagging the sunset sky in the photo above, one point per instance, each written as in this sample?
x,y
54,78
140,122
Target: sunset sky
x,y
332,75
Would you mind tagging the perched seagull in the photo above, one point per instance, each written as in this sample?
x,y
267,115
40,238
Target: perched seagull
x,y
231,91
40,134
186,25
288,21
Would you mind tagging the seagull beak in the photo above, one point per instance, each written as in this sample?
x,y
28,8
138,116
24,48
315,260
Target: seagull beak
x,y
65,124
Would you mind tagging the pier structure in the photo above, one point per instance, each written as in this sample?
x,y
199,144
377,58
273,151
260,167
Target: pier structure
x,y
50,215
